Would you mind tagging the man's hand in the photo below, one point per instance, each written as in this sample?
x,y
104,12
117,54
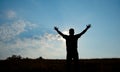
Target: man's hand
x,y
56,28
88,26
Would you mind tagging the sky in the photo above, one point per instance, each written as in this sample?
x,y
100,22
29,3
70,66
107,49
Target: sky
x,y
27,28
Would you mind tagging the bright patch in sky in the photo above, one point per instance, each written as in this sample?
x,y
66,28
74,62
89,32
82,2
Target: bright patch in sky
x,y
27,27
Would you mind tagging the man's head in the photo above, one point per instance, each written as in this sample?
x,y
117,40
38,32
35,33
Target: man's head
x,y
71,31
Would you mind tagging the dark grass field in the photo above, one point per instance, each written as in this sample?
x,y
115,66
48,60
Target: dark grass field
x,y
50,65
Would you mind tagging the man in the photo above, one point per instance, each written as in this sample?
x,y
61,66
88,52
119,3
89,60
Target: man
x,y
71,45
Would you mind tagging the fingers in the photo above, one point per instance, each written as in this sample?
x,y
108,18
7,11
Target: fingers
x,y
88,26
56,28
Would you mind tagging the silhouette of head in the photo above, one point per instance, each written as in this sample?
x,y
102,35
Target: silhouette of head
x,y
71,31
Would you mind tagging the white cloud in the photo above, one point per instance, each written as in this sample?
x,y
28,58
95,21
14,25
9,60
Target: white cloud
x,y
10,14
10,30
47,46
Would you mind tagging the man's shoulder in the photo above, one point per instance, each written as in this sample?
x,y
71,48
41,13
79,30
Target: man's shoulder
x,y
65,36
77,35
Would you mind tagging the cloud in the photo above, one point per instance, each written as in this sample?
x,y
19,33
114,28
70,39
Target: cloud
x,y
47,46
11,30
10,14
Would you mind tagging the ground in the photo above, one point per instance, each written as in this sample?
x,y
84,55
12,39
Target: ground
x,y
57,65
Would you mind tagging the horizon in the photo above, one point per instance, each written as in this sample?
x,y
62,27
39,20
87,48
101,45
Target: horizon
x,y
27,28
18,57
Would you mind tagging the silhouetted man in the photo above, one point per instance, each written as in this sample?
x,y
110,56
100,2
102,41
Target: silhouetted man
x,y
71,45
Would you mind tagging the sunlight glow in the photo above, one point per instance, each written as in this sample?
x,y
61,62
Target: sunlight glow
x,y
62,39
66,32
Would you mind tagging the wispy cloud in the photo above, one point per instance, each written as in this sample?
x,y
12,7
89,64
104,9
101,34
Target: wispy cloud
x,y
11,30
47,46
10,14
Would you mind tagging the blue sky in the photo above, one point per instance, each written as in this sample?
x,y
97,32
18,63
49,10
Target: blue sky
x,y
26,27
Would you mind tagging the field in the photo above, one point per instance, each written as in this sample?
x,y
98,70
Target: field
x,y
52,65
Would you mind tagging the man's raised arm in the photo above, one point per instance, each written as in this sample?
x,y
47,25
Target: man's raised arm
x,y
58,31
87,27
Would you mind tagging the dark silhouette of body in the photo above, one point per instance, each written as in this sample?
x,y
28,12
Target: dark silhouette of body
x,y
71,45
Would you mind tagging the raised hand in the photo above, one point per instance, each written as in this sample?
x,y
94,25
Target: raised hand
x,y
88,26
56,28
